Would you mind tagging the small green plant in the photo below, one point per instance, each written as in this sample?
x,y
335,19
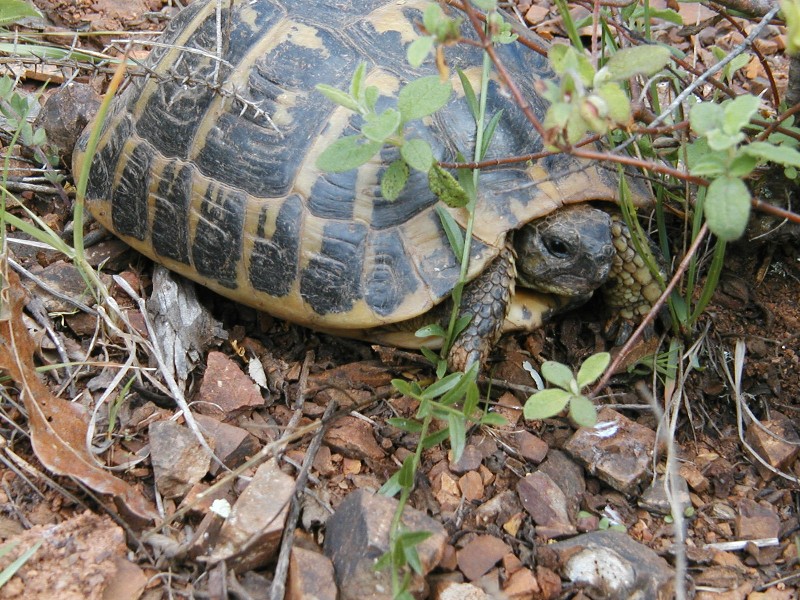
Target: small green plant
x,y
548,403
721,155
586,99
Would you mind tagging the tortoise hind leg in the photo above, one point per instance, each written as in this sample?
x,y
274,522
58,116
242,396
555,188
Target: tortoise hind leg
x,y
486,300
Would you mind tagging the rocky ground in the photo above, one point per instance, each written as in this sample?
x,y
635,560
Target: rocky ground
x,y
532,509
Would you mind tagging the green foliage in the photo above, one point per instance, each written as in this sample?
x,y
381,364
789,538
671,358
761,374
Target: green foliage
x,y
417,99
550,402
721,155
791,14
13,11
586,100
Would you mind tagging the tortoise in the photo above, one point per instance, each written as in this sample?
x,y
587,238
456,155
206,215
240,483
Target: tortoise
x,y
209,167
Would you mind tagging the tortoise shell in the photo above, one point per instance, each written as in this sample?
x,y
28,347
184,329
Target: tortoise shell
x,y
208,166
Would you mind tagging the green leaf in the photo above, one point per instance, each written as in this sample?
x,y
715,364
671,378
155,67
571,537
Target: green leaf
x,y
347,153
565,58
738,112
485,5
710,164
409,425
12,11
423,97
418,154
461,324
457,394
592,368
582,411
385,560
472,397
488,132
371,97
404,387
790,9
788,157
436,438
434,329
407,472
557,374
357,83
419,49
451,229
432,17
637,60
458,434
705,116
617,102
742,165
394,180
441,386
719,140
378,128
493,420
545,404
338,96
469,94
727,207
11,569
445,187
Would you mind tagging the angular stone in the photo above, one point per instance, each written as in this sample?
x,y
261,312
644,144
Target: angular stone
x,y
617,450
521,585
756,521
546,503
462,591
470,460
498,509
779,445
226,391
654,499
357,535
471,486
480,555
696,480
531,448
614,566
232,445
354,438
568,475
310,576
251,535
178,459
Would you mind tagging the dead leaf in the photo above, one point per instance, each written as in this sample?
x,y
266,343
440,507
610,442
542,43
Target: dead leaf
x,y
58,428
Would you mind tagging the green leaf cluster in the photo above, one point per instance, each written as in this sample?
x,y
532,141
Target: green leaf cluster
x,y
17,109
441,29
550,402
790,9
417,99
586,99
721,155
13,11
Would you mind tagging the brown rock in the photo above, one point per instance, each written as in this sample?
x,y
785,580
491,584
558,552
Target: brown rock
x,y
354,438
178,459
310,576
530,447
82,558
546,503
756,521
251,535
696,480
471,486
232,445
470,460
549,582
568,475
778,445
618,451
480,555
358,534
462,591
521,584
226,390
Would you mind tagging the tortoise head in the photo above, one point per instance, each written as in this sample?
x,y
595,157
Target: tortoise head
x,y
568,253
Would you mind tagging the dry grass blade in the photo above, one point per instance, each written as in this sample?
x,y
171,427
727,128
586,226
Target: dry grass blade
x,y
58,427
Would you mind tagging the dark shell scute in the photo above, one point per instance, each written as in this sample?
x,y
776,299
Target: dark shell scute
x,y
333,195
266,161
331,283
392,276
129,209
274,261
171,221
217,247
104,164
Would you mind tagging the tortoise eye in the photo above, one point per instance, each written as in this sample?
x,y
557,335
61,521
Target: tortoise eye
x,y
557,247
